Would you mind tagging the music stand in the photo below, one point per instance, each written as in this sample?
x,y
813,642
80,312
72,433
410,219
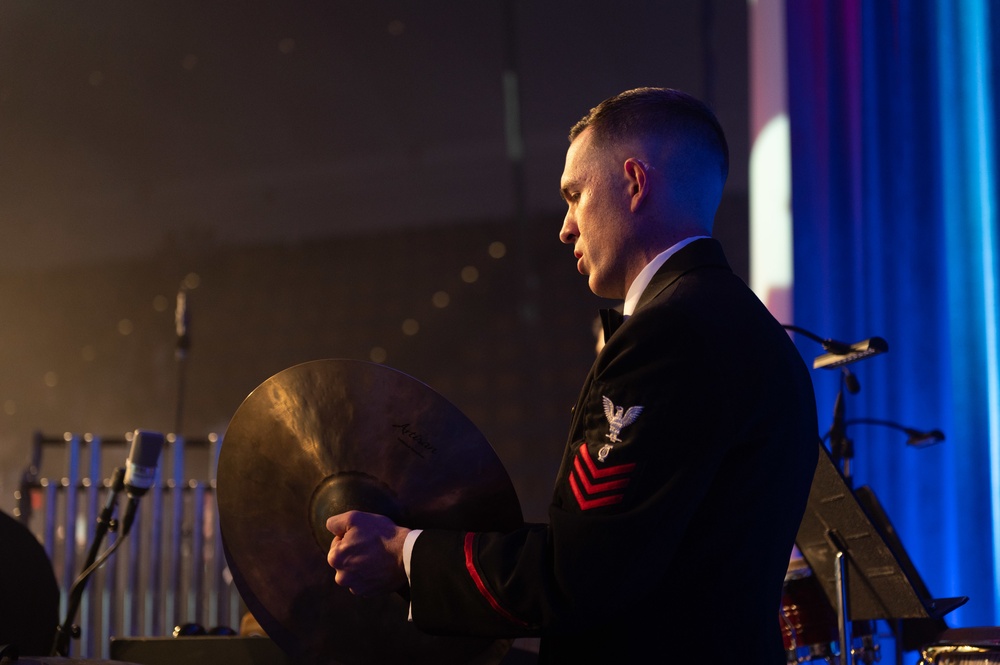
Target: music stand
x,y
910,633
857,570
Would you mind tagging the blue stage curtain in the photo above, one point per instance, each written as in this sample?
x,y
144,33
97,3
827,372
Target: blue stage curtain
x,y
892,111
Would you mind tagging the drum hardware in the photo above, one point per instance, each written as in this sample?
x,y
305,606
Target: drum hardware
x,y
807,620
332,435
963,646
198,630
959,654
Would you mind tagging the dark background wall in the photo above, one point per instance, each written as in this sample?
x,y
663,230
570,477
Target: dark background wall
x,y
317,175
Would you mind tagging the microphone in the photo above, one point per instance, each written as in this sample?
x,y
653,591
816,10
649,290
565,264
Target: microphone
x,y
850,380
182,324
919,439
140,467
840,445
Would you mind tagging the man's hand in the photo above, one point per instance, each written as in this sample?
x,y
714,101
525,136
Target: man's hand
x,y
367,552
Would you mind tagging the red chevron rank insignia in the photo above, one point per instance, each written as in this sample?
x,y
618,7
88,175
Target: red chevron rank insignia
x,y
595,487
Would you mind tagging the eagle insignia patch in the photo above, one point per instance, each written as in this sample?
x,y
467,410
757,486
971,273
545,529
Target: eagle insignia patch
x,y
618,419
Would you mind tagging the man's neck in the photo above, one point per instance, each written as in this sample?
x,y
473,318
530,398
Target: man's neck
x,y
642,280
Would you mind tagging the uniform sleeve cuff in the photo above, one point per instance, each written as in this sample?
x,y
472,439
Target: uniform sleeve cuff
x,y
411,538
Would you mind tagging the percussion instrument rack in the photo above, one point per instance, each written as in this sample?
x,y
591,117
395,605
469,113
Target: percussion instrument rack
x,y
172,569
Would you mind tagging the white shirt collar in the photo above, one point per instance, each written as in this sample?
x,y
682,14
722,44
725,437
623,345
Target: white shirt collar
x,y
642,280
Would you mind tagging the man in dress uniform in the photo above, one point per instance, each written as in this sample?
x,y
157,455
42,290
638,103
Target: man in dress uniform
x,y
692,446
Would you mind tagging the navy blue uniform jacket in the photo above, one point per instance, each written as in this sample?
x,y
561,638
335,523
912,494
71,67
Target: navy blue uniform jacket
x,y
683,482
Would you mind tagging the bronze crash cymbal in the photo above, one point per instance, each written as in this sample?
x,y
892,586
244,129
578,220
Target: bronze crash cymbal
x,y
332,435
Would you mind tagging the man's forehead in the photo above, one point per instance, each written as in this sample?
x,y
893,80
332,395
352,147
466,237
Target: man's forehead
x,y
578,155
581,142
584,156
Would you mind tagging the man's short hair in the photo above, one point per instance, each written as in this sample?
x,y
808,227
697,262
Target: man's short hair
x,y
655,112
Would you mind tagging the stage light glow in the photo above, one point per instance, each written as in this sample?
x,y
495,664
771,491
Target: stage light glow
x,y
771,217
192,280
441,299
969,172
470,274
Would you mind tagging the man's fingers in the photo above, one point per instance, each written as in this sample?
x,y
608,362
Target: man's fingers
x,y
339,524
340,577
350,581
332,557
339,553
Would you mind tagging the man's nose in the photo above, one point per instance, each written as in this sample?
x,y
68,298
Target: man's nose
x,y
569,232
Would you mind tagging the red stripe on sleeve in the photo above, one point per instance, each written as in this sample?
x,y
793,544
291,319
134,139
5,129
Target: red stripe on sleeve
x,y
481,585
595,487
587,504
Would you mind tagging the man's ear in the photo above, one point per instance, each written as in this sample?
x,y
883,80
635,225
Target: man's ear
x,y
637,177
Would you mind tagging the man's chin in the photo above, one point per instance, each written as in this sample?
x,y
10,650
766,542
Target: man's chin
x,y
602,290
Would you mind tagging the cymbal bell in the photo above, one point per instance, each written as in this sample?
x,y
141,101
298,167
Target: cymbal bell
x,y
333,435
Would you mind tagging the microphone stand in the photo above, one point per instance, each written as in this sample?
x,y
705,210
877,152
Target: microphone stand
x,y
182,323
839,355
841,447
916,438
105,523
